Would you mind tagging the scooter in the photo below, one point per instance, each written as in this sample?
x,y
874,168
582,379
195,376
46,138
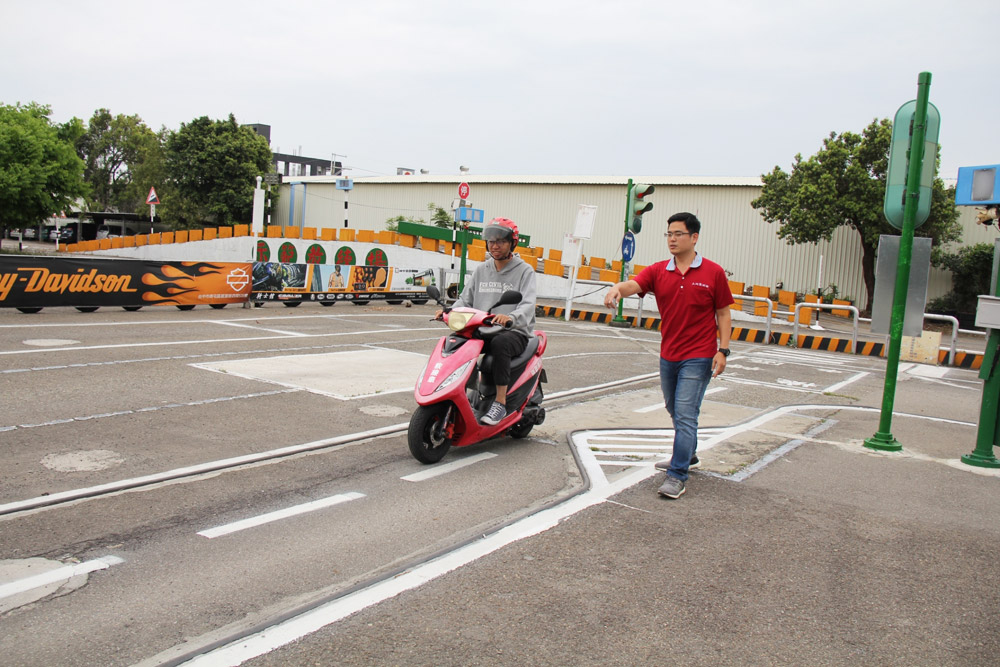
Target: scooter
x,y
454,391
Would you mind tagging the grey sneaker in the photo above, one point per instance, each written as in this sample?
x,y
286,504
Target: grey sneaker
x,y
672,488
665,465
495,414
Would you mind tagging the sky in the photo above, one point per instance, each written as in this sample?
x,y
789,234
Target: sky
x,y
520,87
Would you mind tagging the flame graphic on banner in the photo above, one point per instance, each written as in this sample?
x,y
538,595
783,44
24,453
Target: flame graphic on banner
x,y
173,283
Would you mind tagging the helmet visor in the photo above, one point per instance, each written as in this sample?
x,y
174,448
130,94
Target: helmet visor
x,y
496,233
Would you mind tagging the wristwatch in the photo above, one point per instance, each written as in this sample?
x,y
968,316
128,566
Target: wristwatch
x,y
724,351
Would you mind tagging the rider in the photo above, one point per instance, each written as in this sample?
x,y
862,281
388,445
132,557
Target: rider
x,y
503,270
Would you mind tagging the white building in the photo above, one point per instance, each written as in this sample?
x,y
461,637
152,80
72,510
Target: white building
x,y
545,207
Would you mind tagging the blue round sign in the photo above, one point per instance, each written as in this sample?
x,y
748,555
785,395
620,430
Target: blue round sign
x,y
628,247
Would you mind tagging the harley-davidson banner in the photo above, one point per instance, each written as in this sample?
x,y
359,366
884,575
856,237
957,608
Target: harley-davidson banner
x,y
39,282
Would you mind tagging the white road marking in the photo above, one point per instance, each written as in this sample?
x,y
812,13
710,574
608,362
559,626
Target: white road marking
x,y
270,517
257,328
833,388
345,375
204,341
429,473
207,401
58,575
659,406
205,355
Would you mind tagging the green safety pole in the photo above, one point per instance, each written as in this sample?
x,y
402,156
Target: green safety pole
x,y
883,439
619,318
989,409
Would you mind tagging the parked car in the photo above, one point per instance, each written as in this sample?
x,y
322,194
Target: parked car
x,y
63,234
30,234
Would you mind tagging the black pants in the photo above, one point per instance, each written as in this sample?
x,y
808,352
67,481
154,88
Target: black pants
x,y
505,346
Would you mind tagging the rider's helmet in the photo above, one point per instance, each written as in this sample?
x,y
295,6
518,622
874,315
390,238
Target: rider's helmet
x,y
501,228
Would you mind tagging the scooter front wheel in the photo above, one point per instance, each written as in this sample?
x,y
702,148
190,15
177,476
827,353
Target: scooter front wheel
x,y
427,435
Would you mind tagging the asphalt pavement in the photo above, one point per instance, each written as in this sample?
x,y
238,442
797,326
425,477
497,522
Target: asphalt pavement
x,y
820,552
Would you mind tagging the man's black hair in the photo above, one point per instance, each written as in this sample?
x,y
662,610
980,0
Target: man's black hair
x,y
690,221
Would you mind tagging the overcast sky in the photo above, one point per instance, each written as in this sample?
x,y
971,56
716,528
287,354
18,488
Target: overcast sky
x,y
620,87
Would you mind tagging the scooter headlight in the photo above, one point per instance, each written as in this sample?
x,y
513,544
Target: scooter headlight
x,y
458,320
454,376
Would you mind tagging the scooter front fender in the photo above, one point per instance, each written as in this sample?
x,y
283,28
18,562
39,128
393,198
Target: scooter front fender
x,y
446,375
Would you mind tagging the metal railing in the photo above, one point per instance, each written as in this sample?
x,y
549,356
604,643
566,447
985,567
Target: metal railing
x,y
826,306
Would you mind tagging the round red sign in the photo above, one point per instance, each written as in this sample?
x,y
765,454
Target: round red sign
x,y
463,191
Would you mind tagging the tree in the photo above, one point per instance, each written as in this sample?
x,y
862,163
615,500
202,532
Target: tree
x,y
40,172
971,272
214,165
114,149
844,184
440,217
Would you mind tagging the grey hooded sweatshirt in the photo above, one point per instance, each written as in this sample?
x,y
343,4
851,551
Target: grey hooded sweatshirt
x,y
487,284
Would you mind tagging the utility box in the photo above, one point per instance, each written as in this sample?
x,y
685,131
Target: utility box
x,y
988,312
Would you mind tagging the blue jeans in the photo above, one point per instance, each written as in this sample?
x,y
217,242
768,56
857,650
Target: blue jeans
x,y
684,384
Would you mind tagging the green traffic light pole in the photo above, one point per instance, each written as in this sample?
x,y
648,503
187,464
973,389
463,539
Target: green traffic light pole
x,y
619,319
883,439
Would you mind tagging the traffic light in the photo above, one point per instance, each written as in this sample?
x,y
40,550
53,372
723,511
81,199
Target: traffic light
x,y
637,205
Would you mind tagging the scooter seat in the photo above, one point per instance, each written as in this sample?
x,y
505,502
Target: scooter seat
x,y
486,365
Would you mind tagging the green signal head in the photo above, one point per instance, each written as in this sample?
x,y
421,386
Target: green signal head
x,y
643,189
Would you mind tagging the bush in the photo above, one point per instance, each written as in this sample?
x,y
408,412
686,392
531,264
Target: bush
x,y
970,268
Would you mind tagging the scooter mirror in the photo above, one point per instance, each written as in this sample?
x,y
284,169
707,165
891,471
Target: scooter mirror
x,y
508,298
433,292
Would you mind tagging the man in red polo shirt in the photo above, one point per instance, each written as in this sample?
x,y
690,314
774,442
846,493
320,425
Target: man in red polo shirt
x,y
693,297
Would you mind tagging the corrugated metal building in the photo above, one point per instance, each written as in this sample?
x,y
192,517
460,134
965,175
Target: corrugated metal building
x,y
545,207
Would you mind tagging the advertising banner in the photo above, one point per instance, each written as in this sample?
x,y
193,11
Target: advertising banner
x,y
39,282
274,281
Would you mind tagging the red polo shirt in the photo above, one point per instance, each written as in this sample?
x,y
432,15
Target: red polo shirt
x,y
687,303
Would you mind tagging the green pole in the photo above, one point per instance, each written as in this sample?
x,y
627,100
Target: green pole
x,y
989,408
883,439
619,319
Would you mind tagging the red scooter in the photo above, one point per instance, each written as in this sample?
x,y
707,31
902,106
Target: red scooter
x,y
454,391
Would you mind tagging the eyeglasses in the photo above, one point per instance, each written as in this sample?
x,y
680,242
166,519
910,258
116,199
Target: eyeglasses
x,y
496,241
676,235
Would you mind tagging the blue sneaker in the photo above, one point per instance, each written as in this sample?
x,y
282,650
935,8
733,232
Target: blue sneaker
x,y
495,414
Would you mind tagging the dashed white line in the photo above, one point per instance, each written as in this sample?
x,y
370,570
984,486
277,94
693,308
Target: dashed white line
x,y
58,575
424,475
270,517
207,401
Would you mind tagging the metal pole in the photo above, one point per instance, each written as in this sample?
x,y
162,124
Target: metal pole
x,y
619,319
883,439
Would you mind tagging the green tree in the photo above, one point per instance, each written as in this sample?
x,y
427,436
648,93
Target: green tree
x,y
844,184
971,271
113,150
440,217
213,166
392,224
40,172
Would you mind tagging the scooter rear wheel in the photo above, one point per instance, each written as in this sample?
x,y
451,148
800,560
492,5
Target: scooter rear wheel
x,y
426,435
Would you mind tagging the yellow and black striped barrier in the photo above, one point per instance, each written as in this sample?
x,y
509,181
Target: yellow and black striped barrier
x,y
971,360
